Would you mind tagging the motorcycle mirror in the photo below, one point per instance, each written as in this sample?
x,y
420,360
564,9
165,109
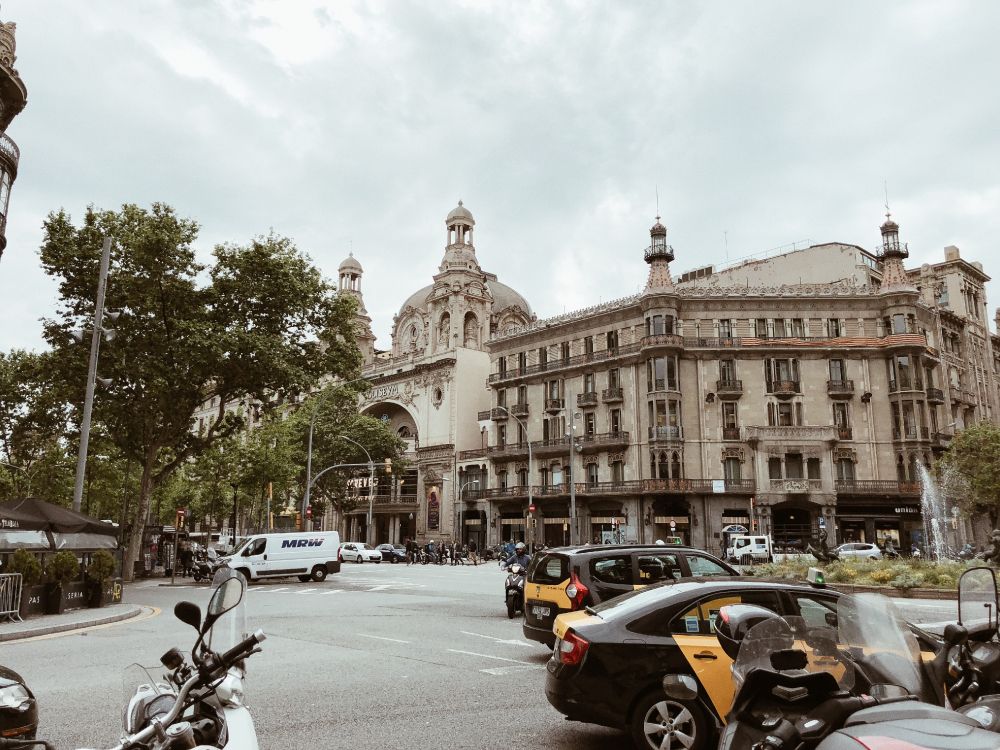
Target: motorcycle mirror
x,y
978,599
955,634
680,687
189,613
224,598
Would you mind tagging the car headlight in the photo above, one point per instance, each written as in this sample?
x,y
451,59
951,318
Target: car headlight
x,y
15,697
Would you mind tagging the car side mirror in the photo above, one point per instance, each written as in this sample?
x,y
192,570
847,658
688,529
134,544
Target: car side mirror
x,y
680,687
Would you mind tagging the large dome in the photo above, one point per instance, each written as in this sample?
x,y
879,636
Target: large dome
x,y
503,297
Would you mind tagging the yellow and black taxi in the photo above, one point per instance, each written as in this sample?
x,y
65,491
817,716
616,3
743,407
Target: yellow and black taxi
x,y
609,660
566,579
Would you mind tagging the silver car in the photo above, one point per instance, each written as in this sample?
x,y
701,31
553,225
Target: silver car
x,y
859,549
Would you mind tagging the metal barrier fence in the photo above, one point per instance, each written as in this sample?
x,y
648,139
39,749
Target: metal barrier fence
x,y
10,596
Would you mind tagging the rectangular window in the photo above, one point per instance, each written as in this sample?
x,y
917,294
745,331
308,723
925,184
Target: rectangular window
x,y
725,329
833,327
674,414
612,337
813,468
785,415
671,366
588,345
588,382
543,476
837,371
564,348
501,397
729,415
845,470
617,472
522,361
798,414
553,389
615,419
727,370
591,473
543,356
793,466
840,416
732,470
501,435
522,477
797,329
502,366
590,423
779,328
774,467
502,479
614,378
760,328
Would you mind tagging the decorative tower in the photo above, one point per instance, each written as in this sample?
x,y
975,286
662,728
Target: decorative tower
x,y
350,272
13,97
891,254
658,256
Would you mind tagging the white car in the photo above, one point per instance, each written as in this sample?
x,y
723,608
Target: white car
x,y
859,549
359,552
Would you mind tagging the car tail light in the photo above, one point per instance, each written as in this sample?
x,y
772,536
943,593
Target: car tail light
x,y
576,591
572,648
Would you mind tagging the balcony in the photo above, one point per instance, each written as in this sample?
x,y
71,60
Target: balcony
x,y
586,399
729,390
507,450
612,395
935,396
783,388
519,410
517,491
941,439
625,487
563,364
911,433
724,342
662,340
703,486
840,388
796,486
471,454
845,433
666,433
603,441
499,413
779,433
484,416
885,487
554,404
730,433
550,446
904,384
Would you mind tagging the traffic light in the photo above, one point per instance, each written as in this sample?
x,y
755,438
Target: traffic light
x,y
388,466
179,520
309,511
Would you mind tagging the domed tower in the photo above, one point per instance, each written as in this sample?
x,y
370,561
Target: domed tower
x,y
892,253
658,256
13,97
350,272
460,252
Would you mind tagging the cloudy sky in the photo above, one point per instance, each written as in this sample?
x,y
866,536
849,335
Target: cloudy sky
x,y
358,126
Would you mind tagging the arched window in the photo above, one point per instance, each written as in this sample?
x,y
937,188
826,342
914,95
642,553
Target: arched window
x,y
470,338
403,432
444,331
900,468
675,465
914,472
664,470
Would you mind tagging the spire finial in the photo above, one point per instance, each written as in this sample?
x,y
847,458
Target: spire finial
x,y
460,202
885,187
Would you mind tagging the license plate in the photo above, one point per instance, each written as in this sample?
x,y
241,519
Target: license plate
x,y
540,611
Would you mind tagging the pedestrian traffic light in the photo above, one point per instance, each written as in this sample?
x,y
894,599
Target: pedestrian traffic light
x,y
388,466
309,511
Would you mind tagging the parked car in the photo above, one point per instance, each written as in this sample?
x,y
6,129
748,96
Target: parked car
x,y
609,661
859,549
571,578
359,552
393,553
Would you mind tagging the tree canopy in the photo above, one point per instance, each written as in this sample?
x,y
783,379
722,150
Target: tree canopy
x,y
971,471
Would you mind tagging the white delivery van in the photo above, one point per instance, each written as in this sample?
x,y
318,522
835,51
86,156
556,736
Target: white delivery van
x,y
749,549
306,554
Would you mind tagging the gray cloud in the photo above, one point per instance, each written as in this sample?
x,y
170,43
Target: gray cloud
x,y
358,126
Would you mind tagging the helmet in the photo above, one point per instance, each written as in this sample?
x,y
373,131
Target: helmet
x,y
660,541
519,547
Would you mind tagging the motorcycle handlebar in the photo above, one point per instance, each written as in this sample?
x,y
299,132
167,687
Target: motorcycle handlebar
x,y
241,650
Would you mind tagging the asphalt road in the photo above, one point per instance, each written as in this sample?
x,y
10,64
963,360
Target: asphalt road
x,y
379,656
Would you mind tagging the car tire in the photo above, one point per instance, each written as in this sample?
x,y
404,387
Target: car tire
x,y
654,714
318,574
394,560
378,561
304,578
359,559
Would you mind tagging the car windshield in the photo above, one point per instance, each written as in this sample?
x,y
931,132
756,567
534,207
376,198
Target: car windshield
x,y
240,546
366,546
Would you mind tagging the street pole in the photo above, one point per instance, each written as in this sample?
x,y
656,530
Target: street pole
x,y
527,441
95,345
235,490
458,525
371,486
574,536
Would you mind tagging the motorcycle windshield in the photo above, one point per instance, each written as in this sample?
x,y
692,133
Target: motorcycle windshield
x,y
791,646
146,695
875,635
229,599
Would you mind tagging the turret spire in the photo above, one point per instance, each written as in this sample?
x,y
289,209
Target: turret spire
x,y
658,255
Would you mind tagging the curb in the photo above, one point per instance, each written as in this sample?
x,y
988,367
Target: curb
x,y
940,594
49,629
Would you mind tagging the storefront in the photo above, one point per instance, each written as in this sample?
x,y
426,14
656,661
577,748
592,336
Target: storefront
x,y
876,523
671,520
512,527
474,527
607,529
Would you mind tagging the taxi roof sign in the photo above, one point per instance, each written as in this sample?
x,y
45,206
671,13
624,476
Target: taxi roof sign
x,y
816,577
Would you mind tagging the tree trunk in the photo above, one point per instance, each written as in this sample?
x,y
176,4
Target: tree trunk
x,y
139,519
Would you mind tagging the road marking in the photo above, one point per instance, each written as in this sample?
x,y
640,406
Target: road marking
x,y
488,656
304,591
333,591
500,671
508,641
381,638
270,590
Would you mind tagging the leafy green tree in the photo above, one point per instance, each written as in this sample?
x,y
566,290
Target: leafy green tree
x,y
970,471
258,324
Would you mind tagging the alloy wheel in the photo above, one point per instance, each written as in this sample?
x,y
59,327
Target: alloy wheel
x,y
670,726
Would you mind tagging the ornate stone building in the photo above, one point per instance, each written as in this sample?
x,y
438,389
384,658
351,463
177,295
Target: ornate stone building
x,y
791,394
430,387
13,97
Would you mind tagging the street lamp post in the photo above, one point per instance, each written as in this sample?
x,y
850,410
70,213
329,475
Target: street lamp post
x,y
458,510
524,427
95,346
235,490
309,452
371,486
574,536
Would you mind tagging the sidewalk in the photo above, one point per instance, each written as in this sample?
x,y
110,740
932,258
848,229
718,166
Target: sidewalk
x,y
74,620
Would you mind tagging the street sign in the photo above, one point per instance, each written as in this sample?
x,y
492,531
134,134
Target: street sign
x,y
822,522
673,525
532,508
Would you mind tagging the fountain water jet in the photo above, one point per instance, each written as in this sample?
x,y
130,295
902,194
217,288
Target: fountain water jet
x,y
935,515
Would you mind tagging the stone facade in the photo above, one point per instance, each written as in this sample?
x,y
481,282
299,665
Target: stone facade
x,y
13,97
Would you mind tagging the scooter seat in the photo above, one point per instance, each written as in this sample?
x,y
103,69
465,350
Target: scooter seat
x,y
907,711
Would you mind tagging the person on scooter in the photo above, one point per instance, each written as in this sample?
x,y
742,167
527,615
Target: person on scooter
x,y
520,557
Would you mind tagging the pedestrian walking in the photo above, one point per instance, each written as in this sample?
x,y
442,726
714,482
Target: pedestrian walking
x,y
473,548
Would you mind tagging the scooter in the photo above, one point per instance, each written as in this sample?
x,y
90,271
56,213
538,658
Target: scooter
x,y
206,565
514,590
199,704
858,683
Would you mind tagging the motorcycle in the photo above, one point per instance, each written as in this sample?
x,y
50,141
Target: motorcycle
x,y
201,704
857,682
514,590
205,566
